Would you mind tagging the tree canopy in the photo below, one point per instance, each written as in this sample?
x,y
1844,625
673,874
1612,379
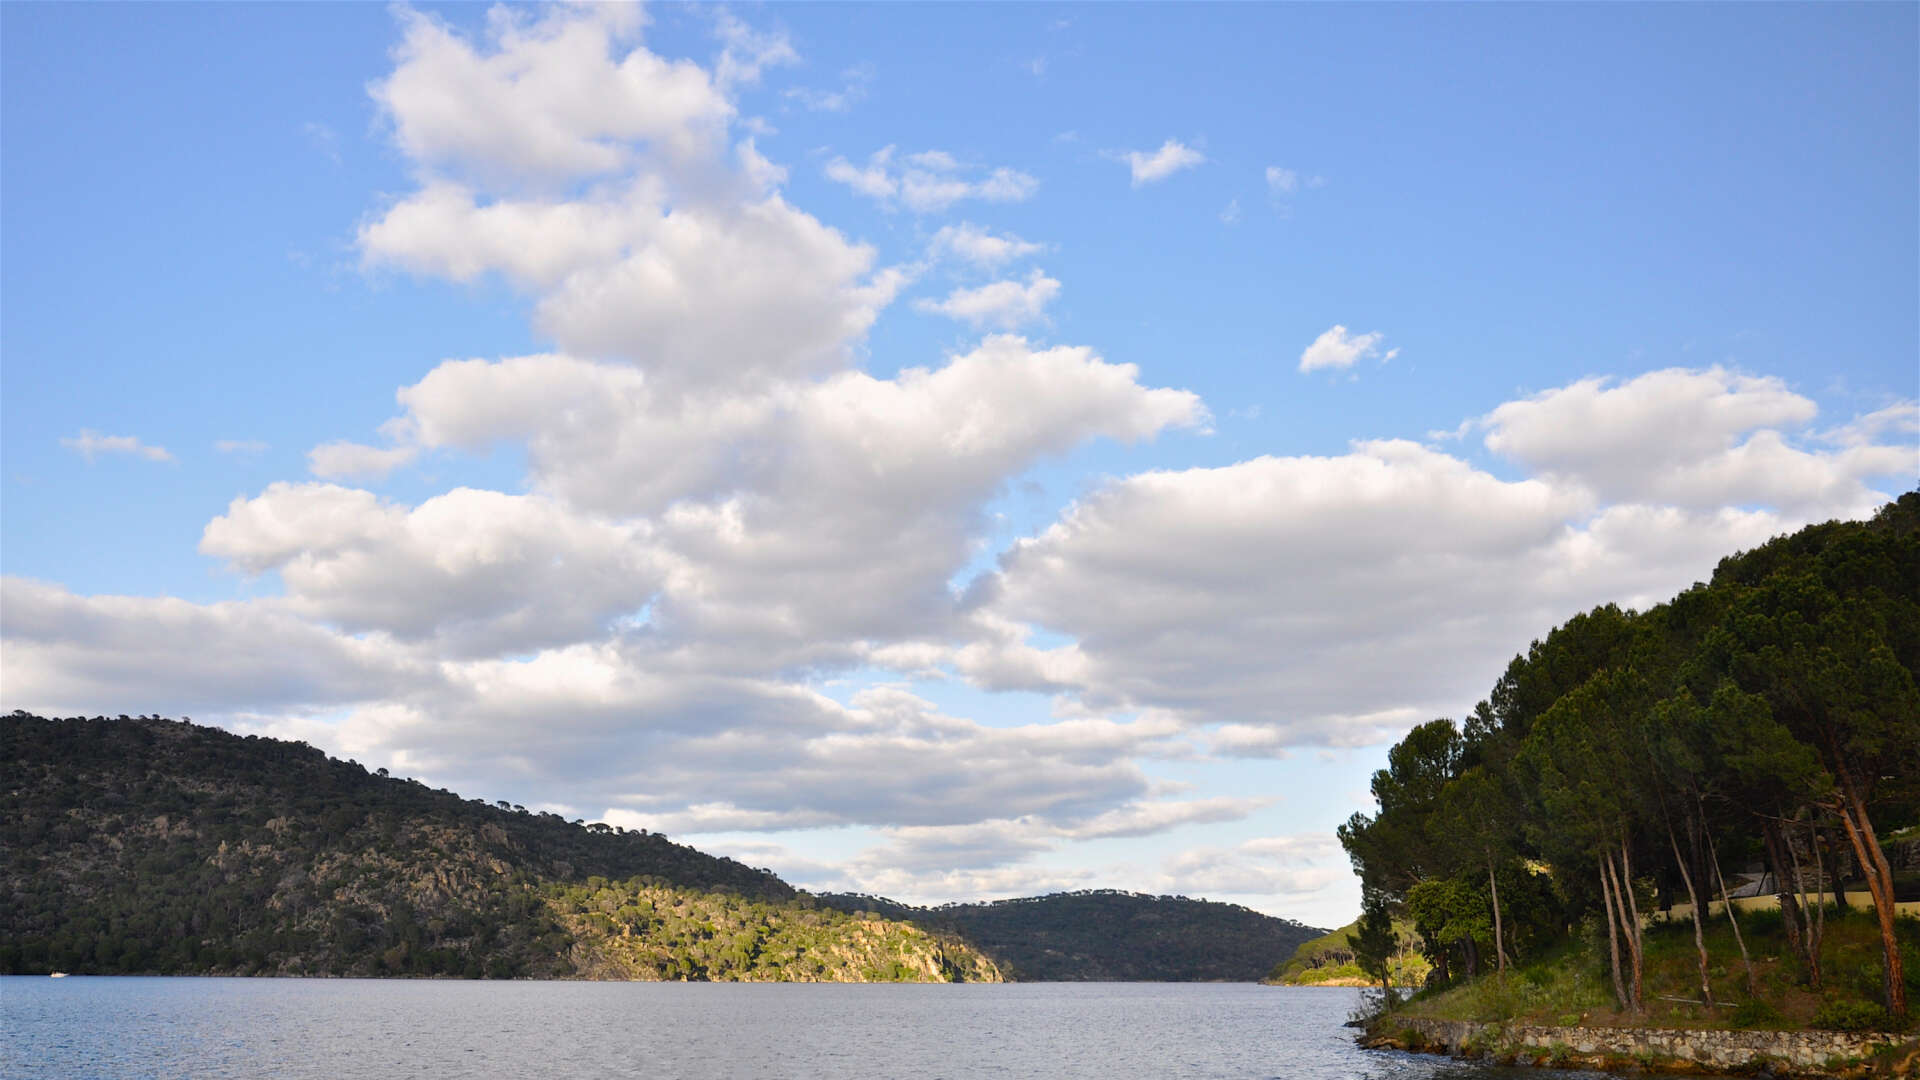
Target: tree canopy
x,y
1772,713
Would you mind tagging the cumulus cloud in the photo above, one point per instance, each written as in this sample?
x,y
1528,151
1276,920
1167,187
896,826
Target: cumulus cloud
x,y
69,654
677,234
484,571
626,278
980,247
1151,167
1697,439
929,181
1275,866
90,444
1282,181
1146,818
1003,305
1339,349
336,460
1329,601
548,97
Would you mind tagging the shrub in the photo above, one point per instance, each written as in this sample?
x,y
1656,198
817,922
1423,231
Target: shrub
x,y
1756,1014
1852,1016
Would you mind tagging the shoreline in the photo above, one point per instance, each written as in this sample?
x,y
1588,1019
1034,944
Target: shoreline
x,y
1687,1051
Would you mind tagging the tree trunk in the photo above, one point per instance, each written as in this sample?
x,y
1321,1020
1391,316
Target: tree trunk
x,y
1499,950
1613,935
1820,884
1839,856
1813,933
1790,914
1701,868
1879,875
1699,932
1726,899
1635,935
1441,969
1628,930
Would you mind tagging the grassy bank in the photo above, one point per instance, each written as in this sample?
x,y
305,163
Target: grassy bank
x,y
1569,984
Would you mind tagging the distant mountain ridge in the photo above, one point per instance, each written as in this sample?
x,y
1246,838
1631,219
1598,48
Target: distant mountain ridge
x,y
1108,935
140,845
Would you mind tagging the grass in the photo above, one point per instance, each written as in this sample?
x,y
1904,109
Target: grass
x,y
1569,984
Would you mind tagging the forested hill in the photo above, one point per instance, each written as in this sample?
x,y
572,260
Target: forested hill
x,y
1105,935
143,845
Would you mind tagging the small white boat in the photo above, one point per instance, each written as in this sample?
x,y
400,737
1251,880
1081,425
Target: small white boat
x,y
58,975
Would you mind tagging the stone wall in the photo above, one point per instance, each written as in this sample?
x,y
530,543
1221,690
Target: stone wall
x,y
1806,1052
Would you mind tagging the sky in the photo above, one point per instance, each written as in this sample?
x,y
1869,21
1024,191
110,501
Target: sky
x,y
940,451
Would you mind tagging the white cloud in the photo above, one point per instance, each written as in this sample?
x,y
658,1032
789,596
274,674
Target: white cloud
x,y
1899,419
563,94
747,52
1306,601
1155,166
1146,818
854,82
929,181
1231,214
68,654
1003,305
1696,439
90,444
681,232
979,246
661,288
483,571
245,447
1267,866
874,181
349,459
1340,349
1282,181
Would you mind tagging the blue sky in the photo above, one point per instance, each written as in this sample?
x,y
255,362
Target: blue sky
x,y
798,499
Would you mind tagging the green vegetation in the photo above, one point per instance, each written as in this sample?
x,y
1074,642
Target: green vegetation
x,y
1632,762
145,846
1106,935
637,930
1569,984
1329,960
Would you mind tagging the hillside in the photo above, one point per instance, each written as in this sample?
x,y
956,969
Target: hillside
x,y
1105,935
143,845
1329,960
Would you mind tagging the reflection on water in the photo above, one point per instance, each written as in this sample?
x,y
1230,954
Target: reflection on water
x,y
351,1028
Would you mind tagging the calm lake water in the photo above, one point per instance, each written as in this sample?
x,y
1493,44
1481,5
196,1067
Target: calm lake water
x,y
350,1028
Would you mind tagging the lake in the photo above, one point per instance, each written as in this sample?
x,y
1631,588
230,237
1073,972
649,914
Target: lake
x,y
354,1028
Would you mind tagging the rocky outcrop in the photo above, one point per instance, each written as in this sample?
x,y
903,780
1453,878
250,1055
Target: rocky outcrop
x,y
1776,1053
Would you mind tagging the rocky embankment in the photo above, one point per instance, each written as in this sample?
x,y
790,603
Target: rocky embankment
x,y
1701,1052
